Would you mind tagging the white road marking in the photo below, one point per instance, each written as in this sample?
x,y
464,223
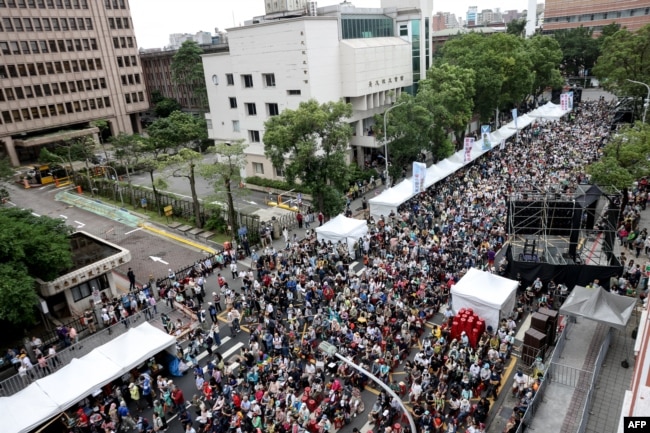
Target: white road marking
x,y
35,214
132,231
80,225
158,259
63,216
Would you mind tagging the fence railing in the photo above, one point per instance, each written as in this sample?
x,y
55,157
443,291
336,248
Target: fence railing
x,y
569,376
182,207
539,395
63,357
602,353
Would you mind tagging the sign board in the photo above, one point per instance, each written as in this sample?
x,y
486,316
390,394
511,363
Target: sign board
x,y
169,210
143,202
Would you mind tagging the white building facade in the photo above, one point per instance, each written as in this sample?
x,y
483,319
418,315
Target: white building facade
x,y
362,56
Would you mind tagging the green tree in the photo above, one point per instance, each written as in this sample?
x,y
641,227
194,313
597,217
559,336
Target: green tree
x,y
187,69
409,131
502,68
104,130
6,170
166,106
546,56
184,164
128,149
150,159
625,158
448,92
185,132
625,55
310,144
225,172
579,49
30,247
517,27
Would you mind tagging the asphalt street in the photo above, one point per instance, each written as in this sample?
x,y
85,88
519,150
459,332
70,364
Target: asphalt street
x,y
143,246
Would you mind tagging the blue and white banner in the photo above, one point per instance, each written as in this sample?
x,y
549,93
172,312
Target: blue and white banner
x,y
485,136
419,177
564,101
514,117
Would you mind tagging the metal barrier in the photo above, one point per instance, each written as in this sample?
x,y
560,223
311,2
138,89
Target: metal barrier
x,y
604,348
16,382
569,376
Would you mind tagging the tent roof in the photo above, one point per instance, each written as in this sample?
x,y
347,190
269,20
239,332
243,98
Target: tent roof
x,y
485,287
55,393
341,225
599,305
587,194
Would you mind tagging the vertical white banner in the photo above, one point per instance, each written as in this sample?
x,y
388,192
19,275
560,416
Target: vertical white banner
x,y
514,117
419,176
469,143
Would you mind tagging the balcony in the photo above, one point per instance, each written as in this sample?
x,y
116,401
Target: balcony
x,y
365,141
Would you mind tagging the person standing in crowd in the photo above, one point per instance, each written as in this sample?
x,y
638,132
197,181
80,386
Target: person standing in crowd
x,y
131,275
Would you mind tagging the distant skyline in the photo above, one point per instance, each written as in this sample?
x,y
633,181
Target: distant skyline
x,y
155,20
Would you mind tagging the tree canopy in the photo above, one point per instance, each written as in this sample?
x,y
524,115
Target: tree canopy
x,y
502,68
225,174
30,247
625,158
625,55
187,69
579,49
310,144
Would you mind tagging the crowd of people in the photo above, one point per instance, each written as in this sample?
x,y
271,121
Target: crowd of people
x,y
294,298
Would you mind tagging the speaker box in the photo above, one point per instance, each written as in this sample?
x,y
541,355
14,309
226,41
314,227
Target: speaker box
x,y
553,317
534,345
539,322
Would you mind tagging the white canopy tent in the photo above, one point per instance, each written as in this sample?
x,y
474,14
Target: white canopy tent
x,y
392,198
490,296
548,111
341,228
53,394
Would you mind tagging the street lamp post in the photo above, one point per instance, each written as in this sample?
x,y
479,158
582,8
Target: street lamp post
x,y
116,178
332,350
647,99
386,142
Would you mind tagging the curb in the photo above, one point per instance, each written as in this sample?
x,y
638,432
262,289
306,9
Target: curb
x,y
178,238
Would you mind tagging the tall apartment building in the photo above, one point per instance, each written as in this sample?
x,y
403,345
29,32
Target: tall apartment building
x,y
365,56
595,14
64,64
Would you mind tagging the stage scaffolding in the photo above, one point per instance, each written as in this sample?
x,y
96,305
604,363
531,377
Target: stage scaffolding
x,y
559,228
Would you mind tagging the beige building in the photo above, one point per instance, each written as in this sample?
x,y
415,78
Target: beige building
x,y
64,64
595,14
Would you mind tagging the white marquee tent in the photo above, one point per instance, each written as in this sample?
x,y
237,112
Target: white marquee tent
x,y
390,199
53,394
599,305
341,228
488,295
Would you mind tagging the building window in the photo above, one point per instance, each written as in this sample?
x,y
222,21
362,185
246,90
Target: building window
x,y
230,79
254,136
251,109
247,80
279,172
233,102
272,109
258,168
293,92
235,126
269,80
403,30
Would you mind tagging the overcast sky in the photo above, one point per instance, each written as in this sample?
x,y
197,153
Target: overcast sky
x,y
155,20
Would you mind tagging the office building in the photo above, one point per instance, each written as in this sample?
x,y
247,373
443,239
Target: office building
x,y
365,56
595,14
64,64
157,73
472,15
